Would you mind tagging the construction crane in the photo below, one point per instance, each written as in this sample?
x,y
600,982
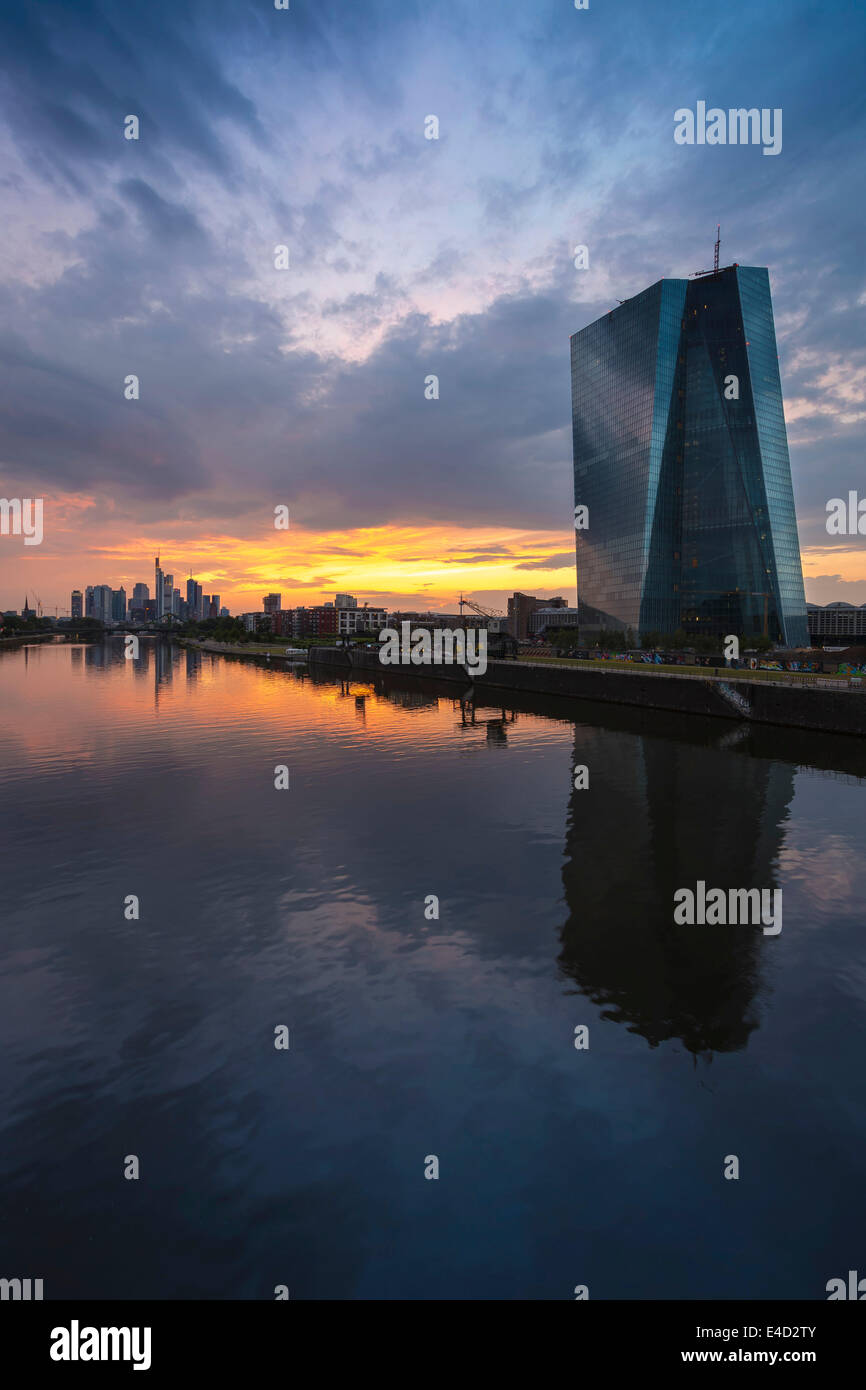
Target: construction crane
x,y
715,269
476,608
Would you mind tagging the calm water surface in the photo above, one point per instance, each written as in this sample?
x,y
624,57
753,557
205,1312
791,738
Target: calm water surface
x,y
412,1037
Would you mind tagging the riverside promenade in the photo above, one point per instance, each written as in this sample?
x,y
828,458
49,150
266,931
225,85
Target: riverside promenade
x,y
804,706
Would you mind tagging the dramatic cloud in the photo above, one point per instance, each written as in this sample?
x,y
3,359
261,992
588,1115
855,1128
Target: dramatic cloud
x,y
408,259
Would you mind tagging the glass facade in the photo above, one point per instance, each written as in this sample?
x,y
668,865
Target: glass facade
x,y
681,458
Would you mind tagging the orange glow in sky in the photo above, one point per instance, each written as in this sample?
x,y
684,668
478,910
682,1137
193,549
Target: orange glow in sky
x,y
389,566
410,566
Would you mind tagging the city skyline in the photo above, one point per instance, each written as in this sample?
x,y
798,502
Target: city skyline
x,y
408,257
513,555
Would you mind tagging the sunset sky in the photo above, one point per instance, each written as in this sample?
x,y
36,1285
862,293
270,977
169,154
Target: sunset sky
x,y
408,257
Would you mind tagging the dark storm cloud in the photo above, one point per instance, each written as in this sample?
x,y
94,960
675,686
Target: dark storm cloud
x,y
224,406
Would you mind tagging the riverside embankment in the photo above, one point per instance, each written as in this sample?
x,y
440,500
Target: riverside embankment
x,y
236,649
841,711
763,702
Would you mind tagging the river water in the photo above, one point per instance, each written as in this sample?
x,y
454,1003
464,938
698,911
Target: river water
x,y
412,1036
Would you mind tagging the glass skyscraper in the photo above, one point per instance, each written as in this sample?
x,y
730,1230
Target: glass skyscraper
x,y
681,458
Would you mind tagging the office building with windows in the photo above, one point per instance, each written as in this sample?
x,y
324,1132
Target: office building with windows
x,y
681,462
98,602
521,608
836,623
350,620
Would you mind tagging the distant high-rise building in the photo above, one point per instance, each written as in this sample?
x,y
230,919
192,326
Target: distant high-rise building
x,y
97,602
76,604
684,507
198,609
345,601
272,603
214,605
140,595
224,612
118,604
158,587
